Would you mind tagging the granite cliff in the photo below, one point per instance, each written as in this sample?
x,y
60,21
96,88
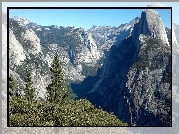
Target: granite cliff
x,y
82,51
135,80
124,69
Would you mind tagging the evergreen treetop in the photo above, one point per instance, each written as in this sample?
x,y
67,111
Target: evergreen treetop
x,y
57,89
29,89
13,85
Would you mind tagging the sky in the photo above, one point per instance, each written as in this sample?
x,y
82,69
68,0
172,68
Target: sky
x,y
86,18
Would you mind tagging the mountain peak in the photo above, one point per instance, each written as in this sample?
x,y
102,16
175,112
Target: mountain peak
x,y
151,24
22,21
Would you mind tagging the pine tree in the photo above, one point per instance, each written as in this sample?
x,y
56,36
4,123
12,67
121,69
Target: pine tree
x,y
12,84
29,89
57,90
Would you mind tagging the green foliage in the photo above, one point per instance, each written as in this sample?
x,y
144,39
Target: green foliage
x,y
70,94
59,109
57,91
167,75
13,84
152,44
35,61
71,113
29,89
142,63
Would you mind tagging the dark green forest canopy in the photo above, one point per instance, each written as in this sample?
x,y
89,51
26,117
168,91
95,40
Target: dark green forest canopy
x,y
71,113
58,109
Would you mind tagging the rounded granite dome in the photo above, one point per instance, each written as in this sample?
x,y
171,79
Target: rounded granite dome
x,y
150,24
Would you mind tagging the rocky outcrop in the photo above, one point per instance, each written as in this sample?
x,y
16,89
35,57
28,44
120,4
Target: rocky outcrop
x,y
149,85
151,25
135,81
149,78
110,35
81,51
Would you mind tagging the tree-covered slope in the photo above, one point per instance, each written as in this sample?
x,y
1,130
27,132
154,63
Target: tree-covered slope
x,y
72,113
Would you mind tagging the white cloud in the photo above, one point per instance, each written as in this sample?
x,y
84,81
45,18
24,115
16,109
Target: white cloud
x,y
155,4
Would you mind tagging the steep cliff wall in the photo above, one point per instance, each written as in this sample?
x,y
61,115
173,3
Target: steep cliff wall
x,y
135,81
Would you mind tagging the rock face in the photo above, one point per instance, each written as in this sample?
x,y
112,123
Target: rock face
x,y
81,51
108,36
125,69
151,24
135,80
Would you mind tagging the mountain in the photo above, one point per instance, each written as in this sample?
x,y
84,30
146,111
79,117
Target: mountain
x,y
81,51
123,69
108,36
135,80
168,32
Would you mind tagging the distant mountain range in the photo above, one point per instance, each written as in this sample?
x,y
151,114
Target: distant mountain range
x,y
124,69
82,51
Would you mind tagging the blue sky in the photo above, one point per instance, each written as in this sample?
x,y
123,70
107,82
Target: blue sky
x,y
87,20
84,18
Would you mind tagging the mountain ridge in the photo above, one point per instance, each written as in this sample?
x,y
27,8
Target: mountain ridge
x,y
47,53
34,36
121,76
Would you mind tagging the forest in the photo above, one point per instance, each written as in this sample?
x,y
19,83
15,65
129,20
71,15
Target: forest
x,y
58,109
